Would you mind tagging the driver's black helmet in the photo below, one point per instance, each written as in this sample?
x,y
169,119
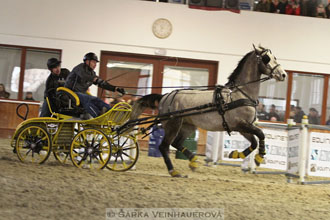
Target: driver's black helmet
x,y
91,56
53,63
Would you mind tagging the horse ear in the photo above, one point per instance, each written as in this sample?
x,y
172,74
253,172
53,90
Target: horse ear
x,y
257,49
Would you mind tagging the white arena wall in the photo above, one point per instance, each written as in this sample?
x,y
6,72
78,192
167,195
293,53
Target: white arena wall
x,y
80,26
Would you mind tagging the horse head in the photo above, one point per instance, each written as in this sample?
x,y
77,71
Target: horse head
x,y
268,64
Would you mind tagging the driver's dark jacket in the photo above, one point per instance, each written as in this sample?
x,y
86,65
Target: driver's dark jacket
x,y
54,81
80,78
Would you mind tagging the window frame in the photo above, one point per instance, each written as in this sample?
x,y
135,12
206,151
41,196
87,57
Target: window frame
x,y
324,98
23,64
158,63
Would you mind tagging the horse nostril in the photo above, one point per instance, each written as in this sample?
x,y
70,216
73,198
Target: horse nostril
x,y
283,75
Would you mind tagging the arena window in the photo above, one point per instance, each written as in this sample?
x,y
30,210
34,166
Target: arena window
x,y
24,70
302,94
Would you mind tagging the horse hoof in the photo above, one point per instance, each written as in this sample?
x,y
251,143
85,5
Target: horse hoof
x,y
193,165
175,173
258,159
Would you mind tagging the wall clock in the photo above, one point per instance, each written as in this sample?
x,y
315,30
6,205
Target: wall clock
x,y
162,28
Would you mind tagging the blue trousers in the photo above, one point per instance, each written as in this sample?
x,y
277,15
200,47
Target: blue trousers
x,y
93,105
45,110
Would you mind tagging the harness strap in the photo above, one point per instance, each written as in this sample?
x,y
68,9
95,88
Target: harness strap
x,y
222,106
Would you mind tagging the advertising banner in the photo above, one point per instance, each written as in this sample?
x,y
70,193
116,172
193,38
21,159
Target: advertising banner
x,y
234,142
282,148
318,163
293,150
276,143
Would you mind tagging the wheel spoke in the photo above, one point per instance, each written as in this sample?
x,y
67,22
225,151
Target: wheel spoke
x,y
128,148
80,163
129,156
66,157
96,149
123,143
33,144
38,132
28,151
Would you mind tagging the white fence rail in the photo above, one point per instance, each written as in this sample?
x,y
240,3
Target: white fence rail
x,y
294,150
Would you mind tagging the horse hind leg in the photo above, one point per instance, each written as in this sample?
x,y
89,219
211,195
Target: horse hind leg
x,y
251,129
171,129
250,137
186,131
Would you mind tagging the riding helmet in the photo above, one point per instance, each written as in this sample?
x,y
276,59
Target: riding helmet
x,y
53,63
91,56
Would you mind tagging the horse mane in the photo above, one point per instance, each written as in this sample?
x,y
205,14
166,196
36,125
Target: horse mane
x,y
238,69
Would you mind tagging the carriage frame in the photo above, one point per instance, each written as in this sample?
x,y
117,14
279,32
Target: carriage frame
x,y
93,143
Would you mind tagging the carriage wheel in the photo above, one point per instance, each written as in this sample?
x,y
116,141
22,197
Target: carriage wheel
x,y
125,153
90,148
61,153
33,144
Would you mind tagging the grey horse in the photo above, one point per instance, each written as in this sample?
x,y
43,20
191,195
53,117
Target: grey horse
x,y
244,83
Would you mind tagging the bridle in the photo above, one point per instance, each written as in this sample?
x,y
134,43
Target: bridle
x,y
266,59
260,58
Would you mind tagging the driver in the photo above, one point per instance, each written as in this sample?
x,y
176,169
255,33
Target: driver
x,y
82,77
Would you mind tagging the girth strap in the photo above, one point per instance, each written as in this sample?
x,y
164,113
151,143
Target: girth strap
x,y
222,106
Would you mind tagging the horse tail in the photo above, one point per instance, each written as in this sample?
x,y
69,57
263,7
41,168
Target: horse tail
x,y
148,101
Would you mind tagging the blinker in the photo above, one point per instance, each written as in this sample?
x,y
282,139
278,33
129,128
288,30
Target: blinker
x,y
265,59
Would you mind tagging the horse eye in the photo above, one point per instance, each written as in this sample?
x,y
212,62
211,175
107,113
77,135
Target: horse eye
x,y
265,59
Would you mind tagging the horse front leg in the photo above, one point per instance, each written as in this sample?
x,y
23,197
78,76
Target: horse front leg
x,y
254,144
247,128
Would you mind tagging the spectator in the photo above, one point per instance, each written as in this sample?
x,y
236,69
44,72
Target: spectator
x,y
320,11
311,8
273,116
263,6
275,6
293,8
313,116
261,113
3,93
328,122
292,111
282,6
304,7
327,9
29,96
299,114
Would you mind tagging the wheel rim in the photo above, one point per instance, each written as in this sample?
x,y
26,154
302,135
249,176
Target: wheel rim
x,y
90,149
62,153
33,145
125,152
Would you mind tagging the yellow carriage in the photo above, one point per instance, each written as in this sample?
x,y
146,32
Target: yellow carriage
x,y
93,143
